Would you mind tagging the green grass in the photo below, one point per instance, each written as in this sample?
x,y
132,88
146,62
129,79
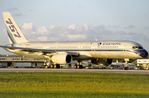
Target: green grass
x,y
73,85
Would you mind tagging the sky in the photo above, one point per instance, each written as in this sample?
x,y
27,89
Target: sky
x,y
79,20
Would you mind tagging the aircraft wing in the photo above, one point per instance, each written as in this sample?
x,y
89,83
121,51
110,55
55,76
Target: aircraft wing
x,y
44,51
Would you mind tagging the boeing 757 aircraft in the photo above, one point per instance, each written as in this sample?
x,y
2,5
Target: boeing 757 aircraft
x,y
65,52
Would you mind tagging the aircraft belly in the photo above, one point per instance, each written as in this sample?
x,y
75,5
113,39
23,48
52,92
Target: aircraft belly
x,y
113,54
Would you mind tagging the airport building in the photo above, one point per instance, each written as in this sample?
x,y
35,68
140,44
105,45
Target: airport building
x,y
19,61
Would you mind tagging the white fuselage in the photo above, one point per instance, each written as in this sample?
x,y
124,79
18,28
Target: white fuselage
x,y
101,49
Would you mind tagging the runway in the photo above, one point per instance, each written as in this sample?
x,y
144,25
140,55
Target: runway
x,y
74,70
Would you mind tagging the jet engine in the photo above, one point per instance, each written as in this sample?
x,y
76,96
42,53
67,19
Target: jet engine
x,y
61,58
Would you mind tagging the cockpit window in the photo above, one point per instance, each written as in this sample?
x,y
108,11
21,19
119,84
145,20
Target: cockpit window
x,y
137,47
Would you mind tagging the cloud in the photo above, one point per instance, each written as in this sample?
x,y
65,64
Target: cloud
x,y
86,27
83,32
78,27
77,32
27,26
131,27
42,30
76,36
42,38
72,27
51,27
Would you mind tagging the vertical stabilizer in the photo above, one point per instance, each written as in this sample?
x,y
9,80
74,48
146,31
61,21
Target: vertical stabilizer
x,y
13,30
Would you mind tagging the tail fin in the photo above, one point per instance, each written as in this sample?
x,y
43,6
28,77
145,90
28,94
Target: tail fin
x,y
13,30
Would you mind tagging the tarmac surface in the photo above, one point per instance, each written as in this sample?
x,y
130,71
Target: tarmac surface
x,y
74,70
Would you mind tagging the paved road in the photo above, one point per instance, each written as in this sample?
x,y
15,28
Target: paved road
x,y
73,70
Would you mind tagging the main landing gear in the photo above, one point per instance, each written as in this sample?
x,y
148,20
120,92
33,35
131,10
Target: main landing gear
x,y
78,65
51,65
126,64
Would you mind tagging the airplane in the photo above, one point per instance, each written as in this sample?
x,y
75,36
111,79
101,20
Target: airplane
x,y
58,53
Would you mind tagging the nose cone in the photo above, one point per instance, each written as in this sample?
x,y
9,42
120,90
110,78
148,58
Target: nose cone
x,y
143,53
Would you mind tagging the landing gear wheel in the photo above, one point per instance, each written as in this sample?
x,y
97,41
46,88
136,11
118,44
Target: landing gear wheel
x,y
51,66
69,66
58,66
126,64
78,66
126,68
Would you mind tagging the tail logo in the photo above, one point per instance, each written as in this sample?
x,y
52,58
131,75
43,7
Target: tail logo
x,y
12,28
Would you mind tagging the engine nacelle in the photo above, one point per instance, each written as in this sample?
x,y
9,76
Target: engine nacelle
x,y
61,58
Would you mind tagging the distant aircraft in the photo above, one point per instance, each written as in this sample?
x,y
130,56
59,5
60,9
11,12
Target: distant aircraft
x,y
58,53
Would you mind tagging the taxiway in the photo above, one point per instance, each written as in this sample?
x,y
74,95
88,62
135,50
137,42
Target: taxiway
x,y
74,70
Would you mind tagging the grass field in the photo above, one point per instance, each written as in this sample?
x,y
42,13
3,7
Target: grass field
x,y
73,85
